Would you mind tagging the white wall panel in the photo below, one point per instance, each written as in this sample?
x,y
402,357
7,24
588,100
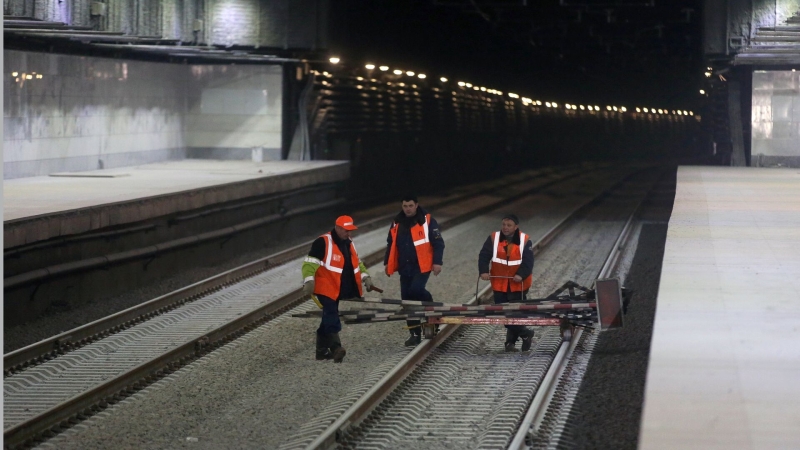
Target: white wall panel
x,y
81,113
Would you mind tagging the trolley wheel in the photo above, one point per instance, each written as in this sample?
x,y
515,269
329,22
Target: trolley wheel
x,y
428,330
567,330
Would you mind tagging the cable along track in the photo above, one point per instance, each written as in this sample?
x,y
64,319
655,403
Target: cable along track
x,y
49,397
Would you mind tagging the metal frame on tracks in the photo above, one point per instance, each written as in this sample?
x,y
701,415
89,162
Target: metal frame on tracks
x,y
374,396
89,402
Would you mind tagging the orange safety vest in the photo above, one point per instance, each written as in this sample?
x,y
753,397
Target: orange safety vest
x,y
328,278
506,265
422,244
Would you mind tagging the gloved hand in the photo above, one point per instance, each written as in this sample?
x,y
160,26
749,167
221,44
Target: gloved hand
x,y
308,288
368,283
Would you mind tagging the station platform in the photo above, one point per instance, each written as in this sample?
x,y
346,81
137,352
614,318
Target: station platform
x,y
40,208
724,359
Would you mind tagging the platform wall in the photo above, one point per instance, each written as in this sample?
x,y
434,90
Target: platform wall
x,y
65,113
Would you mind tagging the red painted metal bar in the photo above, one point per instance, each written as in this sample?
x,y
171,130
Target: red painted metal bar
x,y
538,321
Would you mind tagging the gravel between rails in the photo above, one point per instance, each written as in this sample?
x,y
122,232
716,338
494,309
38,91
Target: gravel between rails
x,y
259,390
608,409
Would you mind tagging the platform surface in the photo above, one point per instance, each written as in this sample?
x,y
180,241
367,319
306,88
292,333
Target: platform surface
x,y
724,370
122,195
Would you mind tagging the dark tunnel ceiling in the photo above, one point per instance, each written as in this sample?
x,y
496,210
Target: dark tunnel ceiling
x,y
583,50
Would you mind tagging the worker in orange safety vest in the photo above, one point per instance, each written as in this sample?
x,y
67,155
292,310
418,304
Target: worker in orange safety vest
x,y
414,248
332,271
507,260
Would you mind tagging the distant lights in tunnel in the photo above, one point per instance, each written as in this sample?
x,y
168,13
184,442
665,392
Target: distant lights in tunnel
x,y
443,79
370,66
646,110
624,109
596,108
398,72
660,111
555,105
422,76
476,88
462,84
638,109
483,89
691,113
708,74
608,107
469,85
582,107
14,74
702,92
334,59
383,68
547,104
410,73
513,95
614,108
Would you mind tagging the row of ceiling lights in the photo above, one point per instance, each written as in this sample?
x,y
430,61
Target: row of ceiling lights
x,y
525,100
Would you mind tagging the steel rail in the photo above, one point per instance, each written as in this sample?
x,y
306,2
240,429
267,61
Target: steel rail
x,y
375,395
86,403
54,346
544,394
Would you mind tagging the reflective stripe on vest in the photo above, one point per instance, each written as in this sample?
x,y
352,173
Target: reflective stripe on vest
x,y
328,278
523,238
422,246
426,238
505,269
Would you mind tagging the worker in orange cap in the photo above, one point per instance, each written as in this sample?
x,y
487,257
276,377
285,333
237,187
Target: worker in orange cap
x,y
332,271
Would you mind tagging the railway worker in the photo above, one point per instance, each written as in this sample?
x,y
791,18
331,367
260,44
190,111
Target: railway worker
x,y
332,271
507,260
414,249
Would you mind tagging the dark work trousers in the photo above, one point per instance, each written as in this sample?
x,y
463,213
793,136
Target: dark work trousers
x,y
511,297
413,288
330,316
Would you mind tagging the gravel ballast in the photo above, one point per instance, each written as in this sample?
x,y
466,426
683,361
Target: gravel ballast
x,y
607,412
257,391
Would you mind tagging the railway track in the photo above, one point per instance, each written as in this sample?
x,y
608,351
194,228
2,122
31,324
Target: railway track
x,y
81,372
461,390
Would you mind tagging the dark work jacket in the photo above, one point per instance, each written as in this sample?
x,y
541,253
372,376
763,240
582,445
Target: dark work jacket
x,y
407,262
485,257
349,287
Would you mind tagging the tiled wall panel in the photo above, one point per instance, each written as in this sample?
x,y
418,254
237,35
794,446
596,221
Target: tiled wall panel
x,y
776,118
82,113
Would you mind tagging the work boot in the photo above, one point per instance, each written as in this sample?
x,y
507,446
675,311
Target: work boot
x,y
511,340
336,348
323,352
415,338
527,339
